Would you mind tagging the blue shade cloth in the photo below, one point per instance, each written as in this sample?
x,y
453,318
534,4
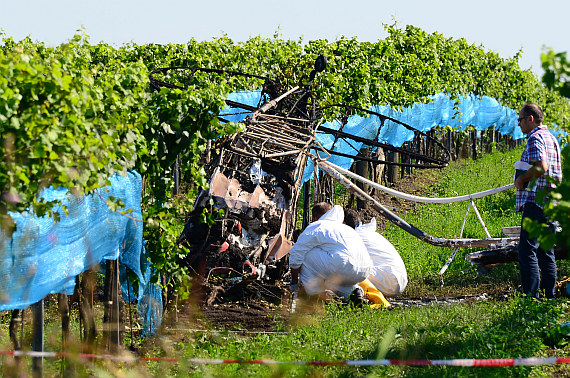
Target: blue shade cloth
x,y
250,98
44,257
480,112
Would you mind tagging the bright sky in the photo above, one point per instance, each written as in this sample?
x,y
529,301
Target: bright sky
x,y
501,26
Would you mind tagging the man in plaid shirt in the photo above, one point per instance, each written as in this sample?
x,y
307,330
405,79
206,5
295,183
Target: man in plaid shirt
x,y
542,153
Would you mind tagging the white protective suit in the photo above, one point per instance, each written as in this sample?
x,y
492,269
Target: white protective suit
x,y
389,272
331,256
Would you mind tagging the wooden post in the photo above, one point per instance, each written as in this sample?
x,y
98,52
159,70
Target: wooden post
x,y
393,169
428,143
379,168
408,159
362,170
38,337
497,137
491,140
474,144
63,305
306,204
86,311
63,301
16,319
113,332
448,143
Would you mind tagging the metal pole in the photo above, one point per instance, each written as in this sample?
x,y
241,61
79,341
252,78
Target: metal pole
x,y
383,211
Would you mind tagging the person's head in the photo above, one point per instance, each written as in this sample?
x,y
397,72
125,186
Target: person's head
x,y
351,218
319,209
530,116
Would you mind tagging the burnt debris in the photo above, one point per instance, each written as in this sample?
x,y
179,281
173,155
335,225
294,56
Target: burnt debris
x,y
255,178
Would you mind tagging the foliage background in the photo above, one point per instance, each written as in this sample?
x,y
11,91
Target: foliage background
x,y
75,114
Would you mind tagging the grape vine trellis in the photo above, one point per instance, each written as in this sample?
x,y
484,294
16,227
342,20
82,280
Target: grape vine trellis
x,y
75,114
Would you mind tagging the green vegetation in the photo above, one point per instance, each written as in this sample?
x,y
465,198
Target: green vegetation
x,y
75,114
503,326
500,327
445,220
556,71
481,330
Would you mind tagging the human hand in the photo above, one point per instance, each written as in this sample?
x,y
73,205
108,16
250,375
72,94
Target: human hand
x,y
520,184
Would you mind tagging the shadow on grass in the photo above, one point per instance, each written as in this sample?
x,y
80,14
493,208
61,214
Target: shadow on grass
x,y
498,282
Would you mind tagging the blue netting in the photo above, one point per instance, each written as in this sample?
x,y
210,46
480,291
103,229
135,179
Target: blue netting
x,y
480,112
149,307
44,256
243,97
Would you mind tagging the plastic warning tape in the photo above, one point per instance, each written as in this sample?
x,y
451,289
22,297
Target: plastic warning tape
x,y
490,362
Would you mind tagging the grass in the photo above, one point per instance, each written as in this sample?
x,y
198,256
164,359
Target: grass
x,y
519,327
501,327
445,220
515,328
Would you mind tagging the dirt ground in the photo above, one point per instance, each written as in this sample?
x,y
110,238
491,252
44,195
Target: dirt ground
x,y
418,183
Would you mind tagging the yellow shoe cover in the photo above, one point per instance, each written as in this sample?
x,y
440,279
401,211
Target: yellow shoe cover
x,y
373,295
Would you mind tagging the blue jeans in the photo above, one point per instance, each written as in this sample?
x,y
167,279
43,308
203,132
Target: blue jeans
x,y
538,267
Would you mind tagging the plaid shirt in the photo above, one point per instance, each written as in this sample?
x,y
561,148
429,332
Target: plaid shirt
x,y
541,145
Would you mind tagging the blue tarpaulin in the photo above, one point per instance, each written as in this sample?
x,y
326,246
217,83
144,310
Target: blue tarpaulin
x,y
480,112
43,256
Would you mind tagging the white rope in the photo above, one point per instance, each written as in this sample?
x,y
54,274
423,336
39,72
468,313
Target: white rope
x,y
437,241
410,197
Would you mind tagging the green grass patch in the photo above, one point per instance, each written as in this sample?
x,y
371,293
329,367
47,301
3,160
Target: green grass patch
x,y
506,326
495,329
445,220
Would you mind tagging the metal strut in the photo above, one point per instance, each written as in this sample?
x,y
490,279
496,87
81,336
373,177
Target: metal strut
x,y
414,231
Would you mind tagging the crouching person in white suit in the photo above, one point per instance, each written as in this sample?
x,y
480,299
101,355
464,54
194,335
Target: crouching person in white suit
x,y
329,255
389,274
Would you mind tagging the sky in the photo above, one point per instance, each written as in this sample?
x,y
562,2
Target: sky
x,y
504,27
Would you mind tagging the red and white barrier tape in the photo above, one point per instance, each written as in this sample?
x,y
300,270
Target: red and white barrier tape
x,y
491,362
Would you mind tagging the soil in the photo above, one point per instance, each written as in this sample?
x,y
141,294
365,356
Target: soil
x,y
255,307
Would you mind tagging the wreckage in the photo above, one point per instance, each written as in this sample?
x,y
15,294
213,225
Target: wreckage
x,y
256,177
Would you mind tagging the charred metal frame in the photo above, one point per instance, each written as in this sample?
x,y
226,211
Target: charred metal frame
x,y
255,177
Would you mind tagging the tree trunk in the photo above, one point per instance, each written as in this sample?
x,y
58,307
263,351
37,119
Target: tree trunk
x,y
393,169
63,305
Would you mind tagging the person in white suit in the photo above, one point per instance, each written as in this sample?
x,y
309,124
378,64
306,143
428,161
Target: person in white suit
x,y
329,255
389,272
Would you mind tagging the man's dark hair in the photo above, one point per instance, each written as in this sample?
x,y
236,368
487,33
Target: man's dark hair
x,y
531,109
351,217
319,209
